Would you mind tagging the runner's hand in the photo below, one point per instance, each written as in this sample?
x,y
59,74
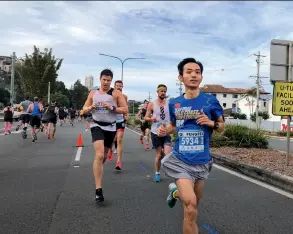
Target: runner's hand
x,y
162,130
154,119
94,106
107,106
203,119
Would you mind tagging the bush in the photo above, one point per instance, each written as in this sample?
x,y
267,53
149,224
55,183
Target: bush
x,y
239,116
236,135
132,121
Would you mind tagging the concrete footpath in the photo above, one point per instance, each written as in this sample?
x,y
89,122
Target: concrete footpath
x,y
48,187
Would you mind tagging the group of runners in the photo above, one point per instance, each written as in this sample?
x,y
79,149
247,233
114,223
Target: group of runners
x,y
40,117
192,117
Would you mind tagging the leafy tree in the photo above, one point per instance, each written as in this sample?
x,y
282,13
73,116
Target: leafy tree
x,y
4,96
37,70
60,98
263,115
78,94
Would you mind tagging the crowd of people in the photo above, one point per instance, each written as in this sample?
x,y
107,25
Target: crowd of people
x,y
192,116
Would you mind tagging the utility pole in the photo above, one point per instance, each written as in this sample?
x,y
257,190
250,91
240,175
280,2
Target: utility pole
x,y
149,98
180,87
12,79
257,88
49,92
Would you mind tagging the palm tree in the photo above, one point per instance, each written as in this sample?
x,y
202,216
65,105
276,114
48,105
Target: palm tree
x,y
250,95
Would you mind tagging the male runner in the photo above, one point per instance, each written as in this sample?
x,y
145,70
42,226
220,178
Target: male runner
x,y
104,104
194,115
72,115
51,114
35,109
25,117
120,126
158,113
144,126
61,114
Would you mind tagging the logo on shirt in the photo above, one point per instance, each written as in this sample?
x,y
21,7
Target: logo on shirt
x,y
186,113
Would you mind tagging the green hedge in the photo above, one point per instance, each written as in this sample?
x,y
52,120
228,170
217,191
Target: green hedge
x,y
237,135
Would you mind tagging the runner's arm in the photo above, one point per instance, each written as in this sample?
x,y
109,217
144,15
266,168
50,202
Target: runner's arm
x,y
121,103
29,108
171,126
88,105
126,115
138,115
149,112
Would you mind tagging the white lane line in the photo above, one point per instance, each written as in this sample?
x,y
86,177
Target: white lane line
x,y
270,187
78,154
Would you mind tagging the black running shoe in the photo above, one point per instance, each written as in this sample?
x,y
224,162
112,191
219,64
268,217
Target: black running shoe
x,y
99,195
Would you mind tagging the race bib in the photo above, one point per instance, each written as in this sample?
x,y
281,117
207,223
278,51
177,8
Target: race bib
x,y
101,110
191,141
119,118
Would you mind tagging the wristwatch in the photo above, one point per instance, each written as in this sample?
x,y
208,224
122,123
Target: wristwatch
x,y
216,125
113,108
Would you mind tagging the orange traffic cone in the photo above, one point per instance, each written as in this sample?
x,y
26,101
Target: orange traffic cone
x,y
79,141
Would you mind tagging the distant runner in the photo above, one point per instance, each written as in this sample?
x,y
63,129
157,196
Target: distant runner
x,y
8,118
25,117
104,104
144,126
35,109
194,115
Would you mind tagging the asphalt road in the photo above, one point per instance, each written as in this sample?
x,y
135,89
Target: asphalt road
x,y
42,192
280,144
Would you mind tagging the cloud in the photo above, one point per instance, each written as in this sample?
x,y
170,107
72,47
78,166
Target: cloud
x,y
221,35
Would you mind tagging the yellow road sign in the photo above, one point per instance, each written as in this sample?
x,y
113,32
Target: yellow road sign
x,y
283,98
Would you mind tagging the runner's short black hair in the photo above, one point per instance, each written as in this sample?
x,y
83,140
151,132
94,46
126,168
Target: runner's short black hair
x,y
188,60
119,81
106,72
36,99
161,85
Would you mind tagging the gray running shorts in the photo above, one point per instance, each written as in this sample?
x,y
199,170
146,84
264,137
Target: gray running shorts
x,y
178,169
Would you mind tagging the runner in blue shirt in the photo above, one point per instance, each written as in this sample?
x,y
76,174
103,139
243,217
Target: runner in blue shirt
x,y
193,116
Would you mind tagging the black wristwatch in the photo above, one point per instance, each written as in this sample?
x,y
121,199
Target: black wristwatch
x,y
216,125
114,108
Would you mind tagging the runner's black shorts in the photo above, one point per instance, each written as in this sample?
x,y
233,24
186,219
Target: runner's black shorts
x,y
61,117
120,126
25,118
144,127
99,134
35,121
52,119
160,141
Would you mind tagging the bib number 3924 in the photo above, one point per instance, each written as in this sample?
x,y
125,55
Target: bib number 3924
x,y
191,141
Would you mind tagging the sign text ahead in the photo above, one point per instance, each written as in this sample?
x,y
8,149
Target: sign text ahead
x,y
283,98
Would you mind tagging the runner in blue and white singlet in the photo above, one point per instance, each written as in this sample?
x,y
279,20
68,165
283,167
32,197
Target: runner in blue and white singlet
x,y
193,117
104,104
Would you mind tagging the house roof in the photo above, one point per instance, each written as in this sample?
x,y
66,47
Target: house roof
x,y
214,88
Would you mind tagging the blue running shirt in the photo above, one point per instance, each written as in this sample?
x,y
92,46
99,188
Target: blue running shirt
x,y
193,141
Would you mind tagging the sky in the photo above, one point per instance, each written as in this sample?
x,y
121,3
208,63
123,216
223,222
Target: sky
x,y
224,36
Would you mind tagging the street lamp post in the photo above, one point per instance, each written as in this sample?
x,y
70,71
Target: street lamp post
x,y
122,61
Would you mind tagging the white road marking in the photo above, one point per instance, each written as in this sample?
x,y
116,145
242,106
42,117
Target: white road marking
x,y
270,187
78,154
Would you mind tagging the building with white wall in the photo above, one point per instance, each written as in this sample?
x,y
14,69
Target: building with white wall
x,y
5,64
89,82
226,96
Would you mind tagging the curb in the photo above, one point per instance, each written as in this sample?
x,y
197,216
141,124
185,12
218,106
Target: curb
x,y
272,178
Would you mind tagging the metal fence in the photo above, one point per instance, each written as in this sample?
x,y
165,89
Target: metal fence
x,y
273,126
